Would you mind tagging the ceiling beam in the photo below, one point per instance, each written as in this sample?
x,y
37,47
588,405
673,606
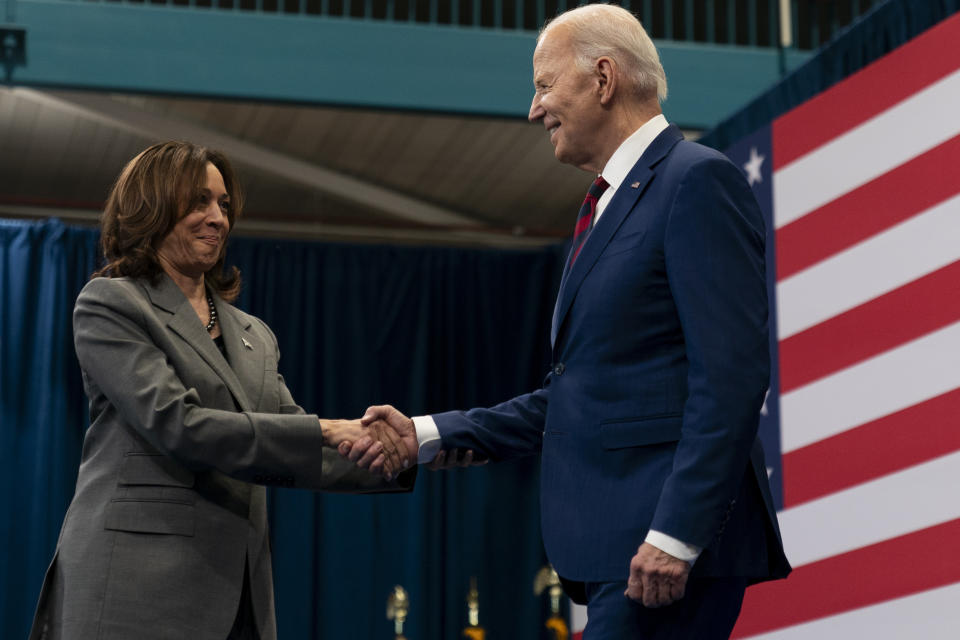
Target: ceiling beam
x,y
104,109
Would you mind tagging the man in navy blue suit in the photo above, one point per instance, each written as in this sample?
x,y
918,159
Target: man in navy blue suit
x,y
656,509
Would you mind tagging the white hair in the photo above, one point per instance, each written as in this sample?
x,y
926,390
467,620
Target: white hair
x,y
606,30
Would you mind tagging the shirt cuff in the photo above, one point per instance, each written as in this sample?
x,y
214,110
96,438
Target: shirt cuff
x,y
428,439
674,547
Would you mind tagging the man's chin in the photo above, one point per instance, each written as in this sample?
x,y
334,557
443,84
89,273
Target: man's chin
x,y
570,159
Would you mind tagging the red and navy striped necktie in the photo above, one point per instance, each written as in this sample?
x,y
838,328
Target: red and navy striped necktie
x,y
585,217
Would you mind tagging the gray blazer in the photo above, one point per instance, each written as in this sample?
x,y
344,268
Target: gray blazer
x,y
169,507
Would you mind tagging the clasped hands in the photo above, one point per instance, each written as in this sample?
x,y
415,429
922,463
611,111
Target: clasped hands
x,y
385,442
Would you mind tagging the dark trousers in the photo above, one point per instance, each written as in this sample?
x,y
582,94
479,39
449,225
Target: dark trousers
x,y
708,611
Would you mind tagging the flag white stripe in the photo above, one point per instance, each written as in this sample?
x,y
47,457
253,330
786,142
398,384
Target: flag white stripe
x,y
896,379
930,615
888,260
904,131
894,505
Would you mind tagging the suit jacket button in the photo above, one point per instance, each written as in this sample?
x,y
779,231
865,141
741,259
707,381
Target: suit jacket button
x,y
559,369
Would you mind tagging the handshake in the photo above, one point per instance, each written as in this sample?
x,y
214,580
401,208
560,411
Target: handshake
x,y
384,441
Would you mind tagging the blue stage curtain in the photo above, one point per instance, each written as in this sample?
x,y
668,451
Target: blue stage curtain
x,y
43,410
425,329
878,32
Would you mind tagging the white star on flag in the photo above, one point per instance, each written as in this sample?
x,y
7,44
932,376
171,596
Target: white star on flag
x,y
752,167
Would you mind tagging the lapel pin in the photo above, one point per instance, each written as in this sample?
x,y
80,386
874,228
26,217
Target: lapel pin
x,y
635,185
247,344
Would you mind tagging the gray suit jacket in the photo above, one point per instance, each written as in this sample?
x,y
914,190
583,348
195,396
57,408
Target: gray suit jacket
x,y
169,507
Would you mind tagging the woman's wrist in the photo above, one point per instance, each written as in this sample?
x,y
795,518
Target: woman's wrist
x,y
337,431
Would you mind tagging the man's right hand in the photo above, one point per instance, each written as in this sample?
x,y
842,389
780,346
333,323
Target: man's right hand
x,y
395,430
396,435
390,430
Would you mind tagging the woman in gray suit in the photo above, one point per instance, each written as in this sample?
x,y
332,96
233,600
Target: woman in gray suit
x,y
166,536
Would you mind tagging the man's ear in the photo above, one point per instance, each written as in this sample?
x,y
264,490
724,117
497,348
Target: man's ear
x,y
606,71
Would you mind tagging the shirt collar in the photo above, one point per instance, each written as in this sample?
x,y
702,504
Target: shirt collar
x,y
630,150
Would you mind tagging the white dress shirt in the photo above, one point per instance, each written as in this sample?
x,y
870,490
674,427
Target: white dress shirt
x,y
614,172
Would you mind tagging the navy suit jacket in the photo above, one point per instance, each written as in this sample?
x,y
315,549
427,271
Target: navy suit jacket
x,y
648,417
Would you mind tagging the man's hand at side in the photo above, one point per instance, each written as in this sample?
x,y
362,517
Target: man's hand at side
x,y
656,577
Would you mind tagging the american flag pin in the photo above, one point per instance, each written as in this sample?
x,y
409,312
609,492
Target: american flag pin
x,y
635,185
247,344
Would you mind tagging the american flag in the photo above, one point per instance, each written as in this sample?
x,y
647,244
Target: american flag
x,y
862,189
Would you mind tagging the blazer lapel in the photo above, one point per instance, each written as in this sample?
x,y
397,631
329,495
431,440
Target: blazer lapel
x,y
245,352
623,202
168,296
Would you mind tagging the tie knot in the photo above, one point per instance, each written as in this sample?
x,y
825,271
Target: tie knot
x,y
585,216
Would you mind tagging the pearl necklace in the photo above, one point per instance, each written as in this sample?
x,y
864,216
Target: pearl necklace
x,y
213,313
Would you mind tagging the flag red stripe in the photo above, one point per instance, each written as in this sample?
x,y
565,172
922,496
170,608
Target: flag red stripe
x,y
890,320
895,568
877,87
891,443
875,206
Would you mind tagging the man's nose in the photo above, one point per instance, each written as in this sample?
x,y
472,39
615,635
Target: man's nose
x,y
536,111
